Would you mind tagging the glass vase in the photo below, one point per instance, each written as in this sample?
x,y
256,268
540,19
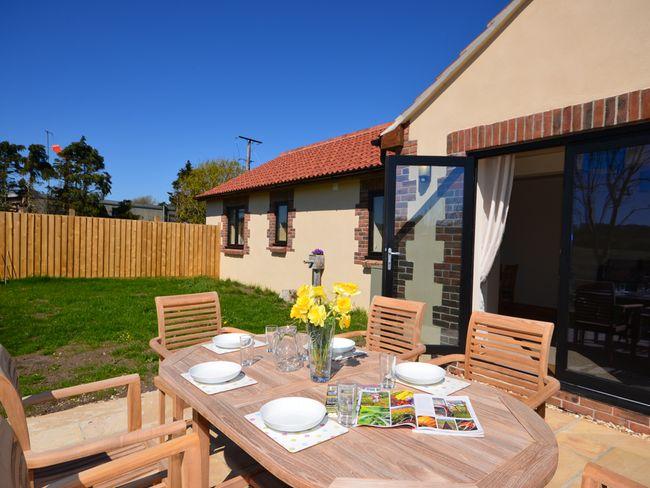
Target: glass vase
x,y
320,351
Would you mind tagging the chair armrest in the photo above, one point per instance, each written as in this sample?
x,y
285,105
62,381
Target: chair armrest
x,y
159,349
551,387
414,353
449,358
133,395
353,333
188,444
55,456
596,475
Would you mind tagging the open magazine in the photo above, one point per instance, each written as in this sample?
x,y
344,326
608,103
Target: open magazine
x,y
452,415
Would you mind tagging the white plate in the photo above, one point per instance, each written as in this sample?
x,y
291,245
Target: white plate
x,y
214,372
420,373
228,341
341,345
292,414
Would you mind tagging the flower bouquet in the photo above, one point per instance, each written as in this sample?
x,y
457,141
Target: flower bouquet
x,y
321,315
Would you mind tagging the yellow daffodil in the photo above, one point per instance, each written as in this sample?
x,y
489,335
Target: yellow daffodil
x,y
301,307
317,315
297,313
318,292
304,290
346,289
343,304
344,321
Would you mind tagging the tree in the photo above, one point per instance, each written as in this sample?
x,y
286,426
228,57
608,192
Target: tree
x,y
176,184
83,183
145,200
10,158
205,176
607,186
123,211
33,169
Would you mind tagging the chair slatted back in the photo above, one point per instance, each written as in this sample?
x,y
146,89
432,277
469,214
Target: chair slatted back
x,y
10,398
185,320
13,467
394,325
509,353
595,304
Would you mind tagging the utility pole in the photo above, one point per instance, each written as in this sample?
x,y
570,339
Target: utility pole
x,y
47,137
249,143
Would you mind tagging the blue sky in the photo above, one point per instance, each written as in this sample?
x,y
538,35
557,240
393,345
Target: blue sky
x,y
153,84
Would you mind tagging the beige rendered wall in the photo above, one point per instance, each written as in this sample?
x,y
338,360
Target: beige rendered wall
x,y
325,218
555,53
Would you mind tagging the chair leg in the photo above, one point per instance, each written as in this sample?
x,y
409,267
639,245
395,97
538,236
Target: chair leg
x,y
161,411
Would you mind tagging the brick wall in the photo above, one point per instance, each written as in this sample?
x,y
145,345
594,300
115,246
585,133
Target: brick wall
x,y
362,211
606,112
236,202
274,198
447,273
405,191
634,421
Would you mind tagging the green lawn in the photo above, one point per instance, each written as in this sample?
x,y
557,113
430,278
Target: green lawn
x,y
67,331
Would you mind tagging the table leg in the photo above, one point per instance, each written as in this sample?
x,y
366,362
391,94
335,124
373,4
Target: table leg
x,y
202,426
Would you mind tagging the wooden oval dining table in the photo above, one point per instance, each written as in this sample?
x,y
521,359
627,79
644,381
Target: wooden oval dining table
x,y
518,449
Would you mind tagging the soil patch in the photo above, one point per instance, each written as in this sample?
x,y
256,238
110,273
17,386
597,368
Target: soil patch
x,y
50,371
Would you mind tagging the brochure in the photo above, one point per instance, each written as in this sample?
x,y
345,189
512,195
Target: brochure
x,y
452,415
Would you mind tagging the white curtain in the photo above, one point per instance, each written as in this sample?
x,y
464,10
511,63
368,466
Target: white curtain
x,y
494,186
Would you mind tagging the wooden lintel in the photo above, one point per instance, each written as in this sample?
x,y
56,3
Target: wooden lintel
x,y
394,139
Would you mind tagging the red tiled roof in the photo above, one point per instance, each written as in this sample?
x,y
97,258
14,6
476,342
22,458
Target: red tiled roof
x,y
343,154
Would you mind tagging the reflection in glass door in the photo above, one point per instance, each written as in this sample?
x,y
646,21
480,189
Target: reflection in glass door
x,y
607,268
429,205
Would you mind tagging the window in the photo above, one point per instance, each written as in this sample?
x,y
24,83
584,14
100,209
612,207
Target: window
x,y
375,224
235,226
281,223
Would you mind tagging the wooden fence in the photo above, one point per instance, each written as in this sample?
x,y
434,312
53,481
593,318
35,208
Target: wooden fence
x,y
89,247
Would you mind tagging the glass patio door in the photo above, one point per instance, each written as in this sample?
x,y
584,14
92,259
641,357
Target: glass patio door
x,y
428,242
604,338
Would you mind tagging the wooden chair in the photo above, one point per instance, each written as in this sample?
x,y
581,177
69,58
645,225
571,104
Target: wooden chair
x,y
394,326
185,320
595,476
509,353
14,472
47,466
596,310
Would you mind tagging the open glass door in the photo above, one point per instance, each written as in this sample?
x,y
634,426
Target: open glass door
x,y
428,242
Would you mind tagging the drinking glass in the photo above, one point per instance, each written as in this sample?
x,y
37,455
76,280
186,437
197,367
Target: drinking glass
x,y
346,405
303,346
246,343
270,331
387,370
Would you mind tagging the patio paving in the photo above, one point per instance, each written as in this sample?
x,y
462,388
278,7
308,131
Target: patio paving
x,y
580,439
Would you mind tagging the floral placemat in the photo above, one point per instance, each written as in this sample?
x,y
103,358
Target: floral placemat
x,y
446,387
238,382
297,441
220,350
